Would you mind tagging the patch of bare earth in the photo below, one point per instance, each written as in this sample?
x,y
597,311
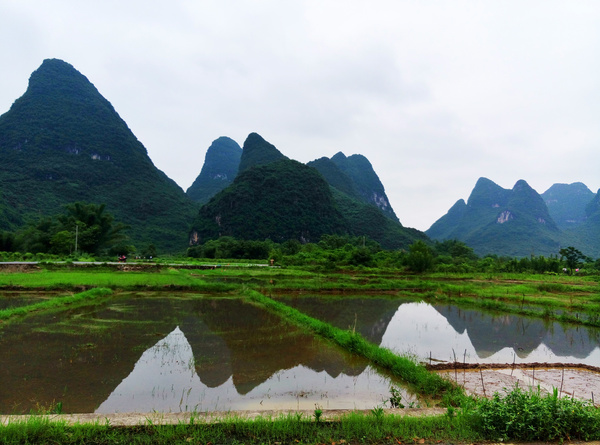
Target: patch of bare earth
x,y
577,381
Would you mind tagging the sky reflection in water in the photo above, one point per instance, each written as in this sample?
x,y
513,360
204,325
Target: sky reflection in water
x,y
445,330
165,379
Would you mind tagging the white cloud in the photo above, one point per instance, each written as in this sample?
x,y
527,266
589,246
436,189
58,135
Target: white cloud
x,y
435,94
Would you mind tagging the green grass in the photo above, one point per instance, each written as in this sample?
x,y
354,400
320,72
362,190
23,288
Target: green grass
x,y
54,303
531,416
515,416
291,428
423,381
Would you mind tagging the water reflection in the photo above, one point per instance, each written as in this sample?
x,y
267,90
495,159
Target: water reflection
x,y
175,352
444,331
165,379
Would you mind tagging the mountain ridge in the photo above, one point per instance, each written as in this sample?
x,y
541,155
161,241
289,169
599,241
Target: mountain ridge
x,y
515,222
62,142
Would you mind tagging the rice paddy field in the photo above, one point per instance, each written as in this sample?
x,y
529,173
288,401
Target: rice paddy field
x,y
115,339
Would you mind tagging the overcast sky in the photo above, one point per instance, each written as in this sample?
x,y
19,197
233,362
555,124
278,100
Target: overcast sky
x,y
434,93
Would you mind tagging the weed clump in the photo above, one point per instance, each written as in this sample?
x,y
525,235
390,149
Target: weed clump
x,y
531,416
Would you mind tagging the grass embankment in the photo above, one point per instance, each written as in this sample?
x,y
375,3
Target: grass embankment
x,y
353,428
158,279
55,303
574,302
519,415
423,381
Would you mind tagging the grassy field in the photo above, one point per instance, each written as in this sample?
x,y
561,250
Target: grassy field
x,y
568,299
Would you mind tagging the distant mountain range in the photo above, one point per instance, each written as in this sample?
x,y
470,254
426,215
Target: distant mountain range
x,y
277,198
62,142
220,168
520,222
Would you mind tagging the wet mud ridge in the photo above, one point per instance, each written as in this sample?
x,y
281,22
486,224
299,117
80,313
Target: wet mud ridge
x,y
579,381
535,365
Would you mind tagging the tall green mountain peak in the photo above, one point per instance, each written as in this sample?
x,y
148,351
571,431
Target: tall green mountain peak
x,y
257,151
567,203
220,168
278,198
62,142
367,186
494,220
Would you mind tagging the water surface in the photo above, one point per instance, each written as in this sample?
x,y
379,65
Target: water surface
x,y
444,331
176,353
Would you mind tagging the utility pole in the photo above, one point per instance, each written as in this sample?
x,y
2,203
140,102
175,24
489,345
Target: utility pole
x,y
76,235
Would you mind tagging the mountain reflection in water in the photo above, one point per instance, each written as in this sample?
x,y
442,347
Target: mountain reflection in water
x,y
445,330
164,379
173,352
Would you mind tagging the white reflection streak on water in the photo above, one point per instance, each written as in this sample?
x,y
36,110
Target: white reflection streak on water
x,y
164,379
418,329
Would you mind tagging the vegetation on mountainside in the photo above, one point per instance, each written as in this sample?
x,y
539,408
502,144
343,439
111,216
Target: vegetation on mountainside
x,y
362,219
366,182
335,177
83,227
257,152
62,142
567,202
218,171
284,199
504,222
279,201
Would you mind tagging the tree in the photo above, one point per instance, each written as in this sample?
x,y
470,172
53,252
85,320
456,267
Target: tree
x,y
420,257
96,229
88,225
572,257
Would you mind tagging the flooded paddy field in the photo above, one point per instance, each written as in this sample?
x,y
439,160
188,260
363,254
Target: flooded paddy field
x,y
169,352
178,351
483,351
448,333
13,299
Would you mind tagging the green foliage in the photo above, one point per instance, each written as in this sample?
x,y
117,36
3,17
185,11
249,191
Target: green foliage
x,y
366,184
567,202
395,398
62,142
257,152
497,221
229,247
87,225
279,201
572,257
455,249
420,257
290,428
218,171
317,414
531,416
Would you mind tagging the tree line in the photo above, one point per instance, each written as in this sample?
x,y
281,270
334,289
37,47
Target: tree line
x,y
82,228
338,251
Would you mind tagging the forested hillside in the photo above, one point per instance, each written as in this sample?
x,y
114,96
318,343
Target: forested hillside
x,y
62,142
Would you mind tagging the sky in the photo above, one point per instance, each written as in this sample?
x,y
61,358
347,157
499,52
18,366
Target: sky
x,y
436,94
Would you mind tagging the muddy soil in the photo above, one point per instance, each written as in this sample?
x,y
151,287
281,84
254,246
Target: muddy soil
x,y
571,380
